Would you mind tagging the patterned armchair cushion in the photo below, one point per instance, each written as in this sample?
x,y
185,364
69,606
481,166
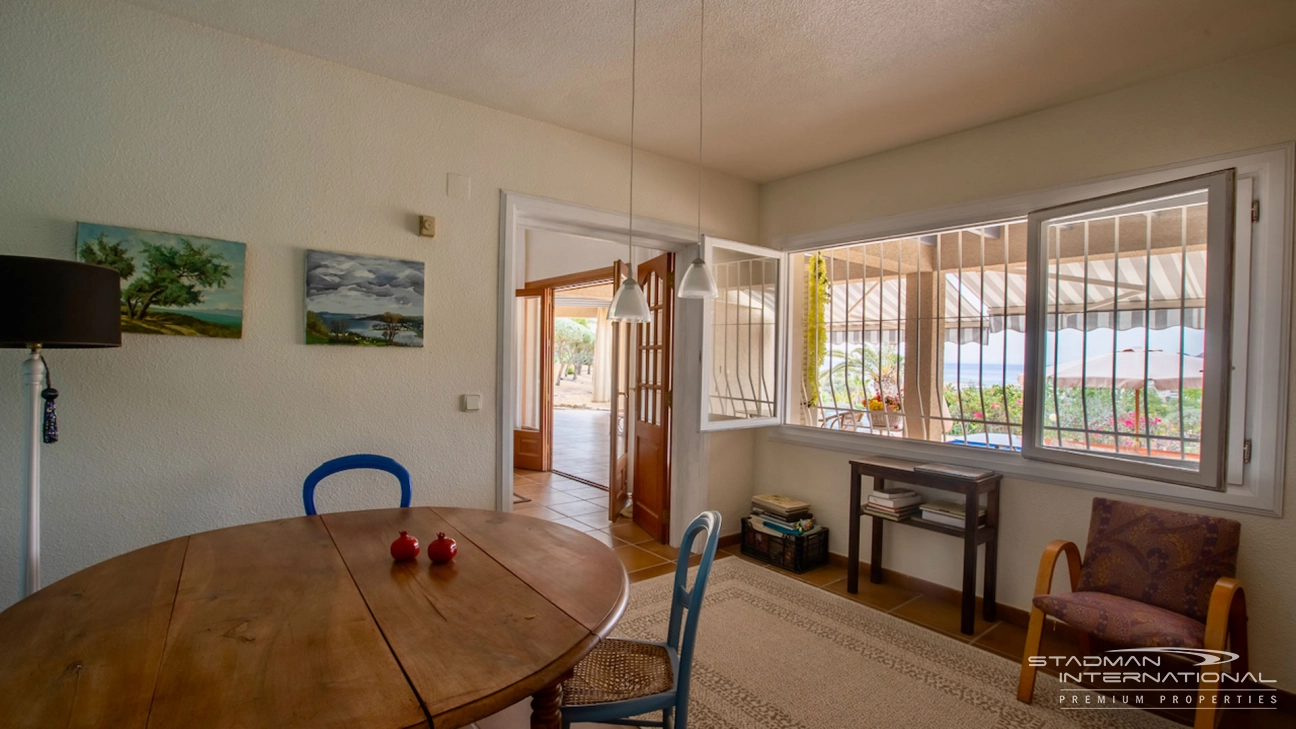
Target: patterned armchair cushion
x,y
1123,621
1167,559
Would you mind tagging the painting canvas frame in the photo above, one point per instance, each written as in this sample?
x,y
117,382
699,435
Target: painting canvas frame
x,y
363,300
172,284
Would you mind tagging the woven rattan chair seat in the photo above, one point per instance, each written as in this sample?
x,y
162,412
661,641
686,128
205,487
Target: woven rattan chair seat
x,y
618,670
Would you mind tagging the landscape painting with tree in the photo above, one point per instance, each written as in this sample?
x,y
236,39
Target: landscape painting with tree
x,y
363,300
171,284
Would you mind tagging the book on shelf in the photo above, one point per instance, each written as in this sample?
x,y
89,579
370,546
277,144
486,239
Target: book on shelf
x,y
937,517
955,471
887,514
892,509
896,500
781,505
950,507
949,512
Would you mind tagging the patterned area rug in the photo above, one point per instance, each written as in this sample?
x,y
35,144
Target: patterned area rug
x,y
774,652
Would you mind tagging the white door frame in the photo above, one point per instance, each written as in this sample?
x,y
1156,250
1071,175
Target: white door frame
x,y
520,212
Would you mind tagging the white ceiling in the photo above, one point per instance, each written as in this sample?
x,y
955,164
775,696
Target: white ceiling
x,y
792,85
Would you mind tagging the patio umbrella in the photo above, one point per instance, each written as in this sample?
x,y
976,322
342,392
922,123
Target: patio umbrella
x,y
1132,369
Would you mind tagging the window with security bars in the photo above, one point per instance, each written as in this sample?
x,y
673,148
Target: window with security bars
x,y
741,362
1128,321
918,337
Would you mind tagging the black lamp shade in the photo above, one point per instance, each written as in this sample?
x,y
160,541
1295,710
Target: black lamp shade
x,y
58,304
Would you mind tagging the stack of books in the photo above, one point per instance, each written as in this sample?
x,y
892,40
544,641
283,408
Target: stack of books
x,y
775,514
896,504
949,512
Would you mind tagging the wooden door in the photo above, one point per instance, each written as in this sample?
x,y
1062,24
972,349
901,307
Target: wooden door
x,y
619,435
652,432
533,429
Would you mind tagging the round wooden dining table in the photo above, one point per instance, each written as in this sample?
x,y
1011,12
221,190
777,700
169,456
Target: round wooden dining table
x,y
308,622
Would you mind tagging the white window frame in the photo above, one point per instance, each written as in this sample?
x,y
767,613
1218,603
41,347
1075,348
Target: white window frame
x,y
709,244
1221,201
1259,397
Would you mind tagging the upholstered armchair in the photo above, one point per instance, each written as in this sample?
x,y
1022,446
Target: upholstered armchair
x,y
1150,578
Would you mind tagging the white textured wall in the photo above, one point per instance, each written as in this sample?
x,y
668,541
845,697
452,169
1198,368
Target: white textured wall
x,y
118,115
1230,107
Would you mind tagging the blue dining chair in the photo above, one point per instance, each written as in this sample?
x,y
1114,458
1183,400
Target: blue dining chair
x,y
349,463
622,678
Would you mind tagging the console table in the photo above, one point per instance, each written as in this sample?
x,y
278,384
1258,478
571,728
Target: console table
x,y
971,487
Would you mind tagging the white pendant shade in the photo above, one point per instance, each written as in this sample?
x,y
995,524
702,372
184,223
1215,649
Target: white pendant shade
x,y
698,283
629,304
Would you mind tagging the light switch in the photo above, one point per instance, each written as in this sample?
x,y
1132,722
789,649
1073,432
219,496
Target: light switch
x,y
471,403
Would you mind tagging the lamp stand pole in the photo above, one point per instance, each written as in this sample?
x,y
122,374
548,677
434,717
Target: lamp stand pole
x,y
33,377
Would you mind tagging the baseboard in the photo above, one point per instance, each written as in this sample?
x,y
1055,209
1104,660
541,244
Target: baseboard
x,y
729,540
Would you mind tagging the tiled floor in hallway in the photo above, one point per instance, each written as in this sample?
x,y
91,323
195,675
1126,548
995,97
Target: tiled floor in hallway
x,y
581,444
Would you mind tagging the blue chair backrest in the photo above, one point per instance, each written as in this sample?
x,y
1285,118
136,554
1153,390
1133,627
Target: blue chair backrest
x,y
682,640
348,463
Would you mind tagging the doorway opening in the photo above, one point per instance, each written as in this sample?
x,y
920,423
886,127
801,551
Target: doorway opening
x,y
582,402
590,398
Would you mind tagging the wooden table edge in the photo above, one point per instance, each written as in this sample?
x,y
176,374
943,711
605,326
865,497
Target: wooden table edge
x,y
555,672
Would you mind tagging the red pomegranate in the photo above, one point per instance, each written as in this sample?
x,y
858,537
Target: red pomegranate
x,y
442,550
405,547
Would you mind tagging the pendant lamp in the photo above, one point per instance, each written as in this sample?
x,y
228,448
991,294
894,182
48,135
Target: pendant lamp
x,y
697,282
629,303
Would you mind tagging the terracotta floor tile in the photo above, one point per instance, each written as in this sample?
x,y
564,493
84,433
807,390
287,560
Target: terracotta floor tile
x,y
635,558
550,497
664,551
597,520
627,530
882,597
606,537
587,492
938,615
580,508
821,576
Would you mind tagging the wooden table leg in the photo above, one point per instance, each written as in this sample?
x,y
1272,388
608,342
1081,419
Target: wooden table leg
x,y
853,547
875,553
546,707
969,562
989,608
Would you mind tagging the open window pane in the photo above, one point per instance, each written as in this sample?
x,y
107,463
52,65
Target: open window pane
x,y
1128,311
741,337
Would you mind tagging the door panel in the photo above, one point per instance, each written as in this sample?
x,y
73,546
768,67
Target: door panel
x,y
653,352
533,433
618,476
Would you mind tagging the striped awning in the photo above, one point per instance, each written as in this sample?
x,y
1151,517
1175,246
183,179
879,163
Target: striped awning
x,y
1164,291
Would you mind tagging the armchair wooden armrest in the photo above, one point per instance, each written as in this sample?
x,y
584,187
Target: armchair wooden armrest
x,y
1048,563
1043,586
1226,621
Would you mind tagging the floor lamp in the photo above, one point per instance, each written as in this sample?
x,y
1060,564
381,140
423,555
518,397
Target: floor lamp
x,y
51,304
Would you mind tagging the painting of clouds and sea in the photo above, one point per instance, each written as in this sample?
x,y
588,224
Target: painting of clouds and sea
x,y
363,300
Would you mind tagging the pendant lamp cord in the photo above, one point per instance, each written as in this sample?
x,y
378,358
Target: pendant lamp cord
x,y
634,48
701,47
